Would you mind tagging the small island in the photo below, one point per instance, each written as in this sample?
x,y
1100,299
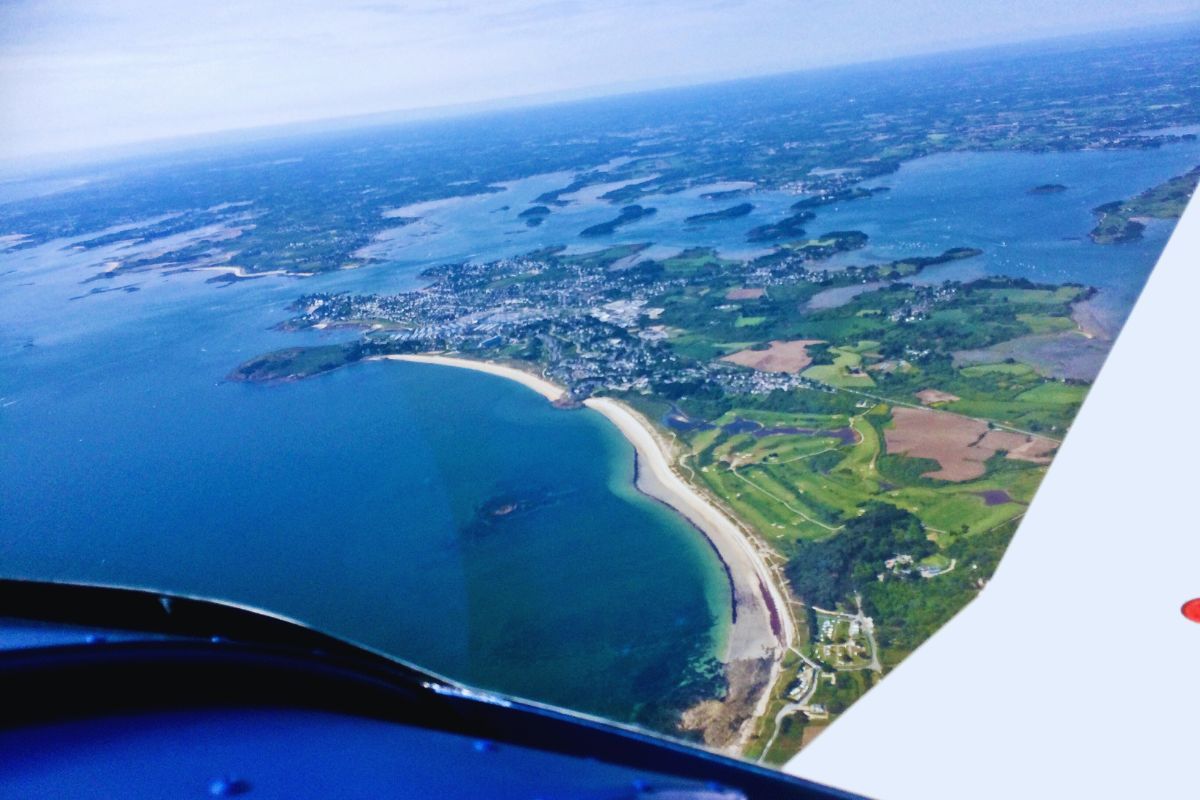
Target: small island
x,y
491,515
1047,188
816,249
787,228
534,215
628,214
722,194
733,212
836,196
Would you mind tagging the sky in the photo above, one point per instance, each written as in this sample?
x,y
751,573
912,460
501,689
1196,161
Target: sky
x,y
80,75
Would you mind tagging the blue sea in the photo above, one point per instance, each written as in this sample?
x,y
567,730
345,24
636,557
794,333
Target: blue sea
x,y
343,500
348,501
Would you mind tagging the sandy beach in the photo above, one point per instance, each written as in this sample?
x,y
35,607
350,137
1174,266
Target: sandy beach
x,y
762,628
542,386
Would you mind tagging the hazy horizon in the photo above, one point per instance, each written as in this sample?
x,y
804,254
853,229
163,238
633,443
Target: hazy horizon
x,y
118,106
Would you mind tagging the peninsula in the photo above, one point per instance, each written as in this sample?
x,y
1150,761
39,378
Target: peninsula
x,y
1124,220
812,450
856,420
872,417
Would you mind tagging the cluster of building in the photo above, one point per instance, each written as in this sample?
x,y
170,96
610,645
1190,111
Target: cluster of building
x,y
926,297
590,327
904,564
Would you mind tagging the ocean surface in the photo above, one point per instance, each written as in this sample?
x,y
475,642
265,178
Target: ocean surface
x,y
361,501
351,501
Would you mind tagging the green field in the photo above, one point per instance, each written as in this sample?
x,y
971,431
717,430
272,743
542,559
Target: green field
x,y
807,486
749,322
845,371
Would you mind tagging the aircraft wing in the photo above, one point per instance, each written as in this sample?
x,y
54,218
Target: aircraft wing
x,y
1073,673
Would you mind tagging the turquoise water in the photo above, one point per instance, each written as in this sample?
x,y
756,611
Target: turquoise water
x,y
347,501
340,500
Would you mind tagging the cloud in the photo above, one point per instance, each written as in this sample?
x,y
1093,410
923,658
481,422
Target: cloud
x,y
75,73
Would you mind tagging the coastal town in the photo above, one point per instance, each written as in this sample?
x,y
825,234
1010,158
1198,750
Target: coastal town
x,y
591,323
854,408
774,402
804,347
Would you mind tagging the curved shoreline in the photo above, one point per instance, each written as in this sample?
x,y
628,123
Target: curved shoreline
x,y
760,627
724,566
545,388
